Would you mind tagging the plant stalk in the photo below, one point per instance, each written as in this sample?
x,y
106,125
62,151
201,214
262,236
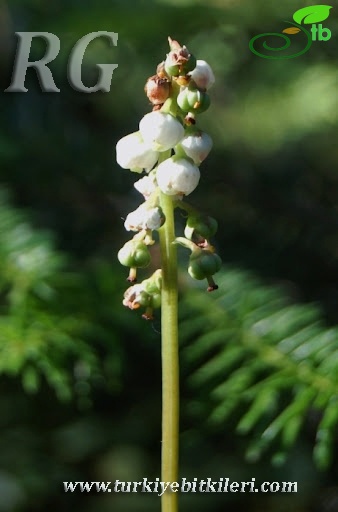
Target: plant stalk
x,y
170,360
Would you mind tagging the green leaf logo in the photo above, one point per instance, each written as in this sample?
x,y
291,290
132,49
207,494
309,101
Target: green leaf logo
x,y
312,14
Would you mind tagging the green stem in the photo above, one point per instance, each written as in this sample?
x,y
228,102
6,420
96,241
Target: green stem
x,y
170,362
187,207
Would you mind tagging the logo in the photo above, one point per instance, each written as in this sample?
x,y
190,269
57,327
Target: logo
x,y
46,80
312,15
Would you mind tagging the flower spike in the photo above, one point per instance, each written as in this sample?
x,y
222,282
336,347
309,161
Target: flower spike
x,y
170,148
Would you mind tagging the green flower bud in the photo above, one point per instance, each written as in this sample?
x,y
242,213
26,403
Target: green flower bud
x,y
134,254
203,264
153,284
193,100
202,225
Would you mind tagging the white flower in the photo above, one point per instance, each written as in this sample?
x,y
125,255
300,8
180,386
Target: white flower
x,y
162,131
135,154
146,185
197,146
203,75
144,218
177,176
134,296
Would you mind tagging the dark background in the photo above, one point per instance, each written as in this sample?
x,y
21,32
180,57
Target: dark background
x,y
80,391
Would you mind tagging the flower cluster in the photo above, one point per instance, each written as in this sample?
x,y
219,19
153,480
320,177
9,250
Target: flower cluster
x,y
169,148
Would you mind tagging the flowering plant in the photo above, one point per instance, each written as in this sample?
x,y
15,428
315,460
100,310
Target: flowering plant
x,y
169,148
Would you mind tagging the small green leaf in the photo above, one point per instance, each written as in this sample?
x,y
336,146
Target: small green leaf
x,y
312,14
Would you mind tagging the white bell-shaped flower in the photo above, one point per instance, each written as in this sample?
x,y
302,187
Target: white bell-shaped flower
x,y
144,218
133,153
197,146
203,75
161,130
177,176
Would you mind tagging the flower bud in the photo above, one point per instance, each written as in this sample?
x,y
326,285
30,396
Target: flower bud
x,y
144,218
134,254
157,89
202,225
204,264
179,61
134,154
177,176
203,75
193,100
161,130
196,145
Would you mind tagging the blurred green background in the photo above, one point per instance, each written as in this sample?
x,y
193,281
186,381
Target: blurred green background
x,y
80,391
